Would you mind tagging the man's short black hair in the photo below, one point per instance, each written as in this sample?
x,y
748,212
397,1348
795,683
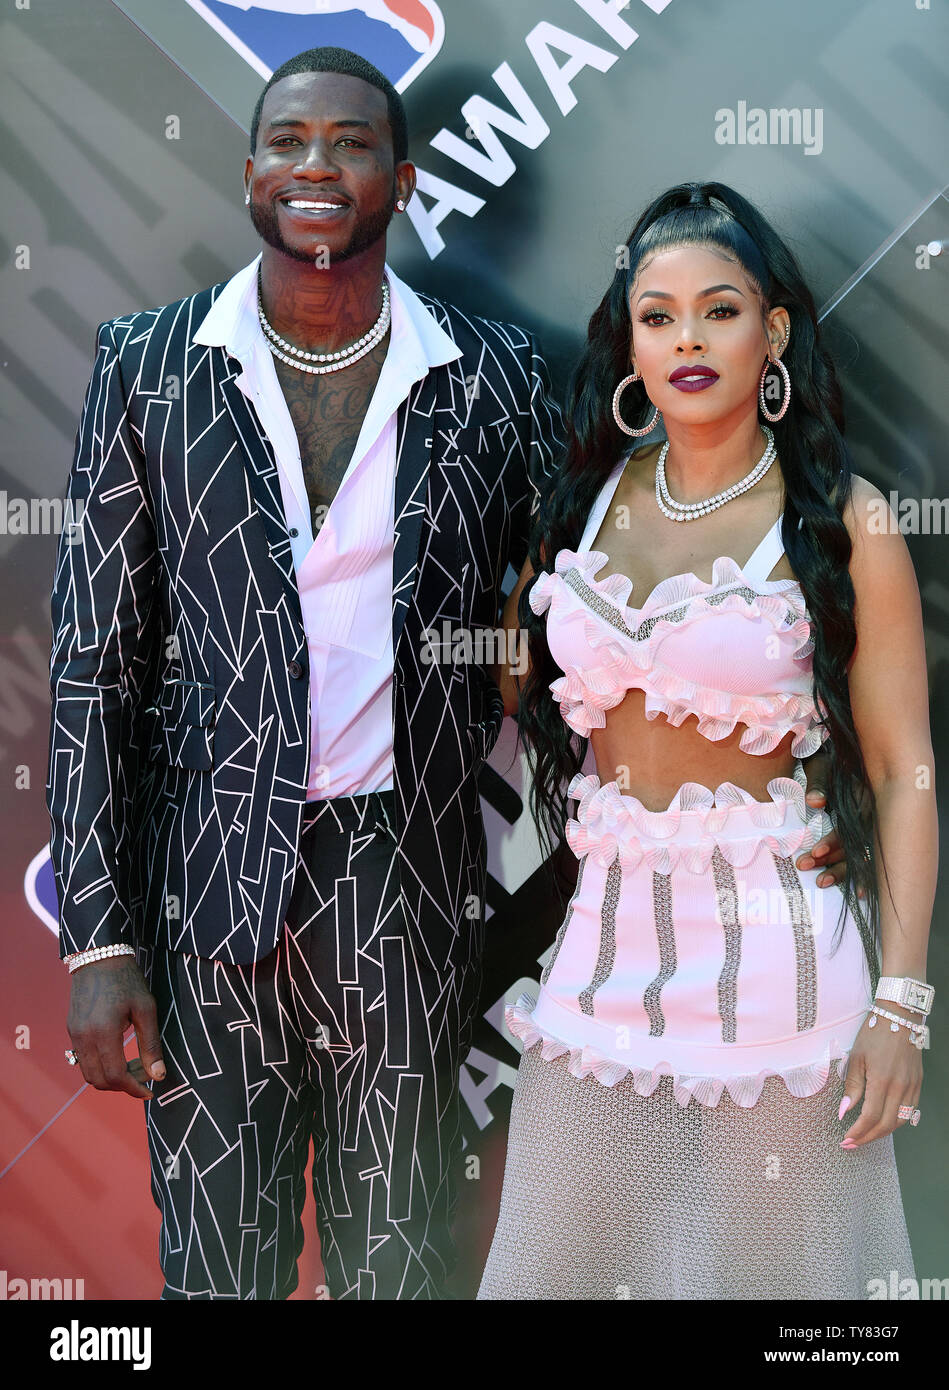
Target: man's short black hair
x,y
342,60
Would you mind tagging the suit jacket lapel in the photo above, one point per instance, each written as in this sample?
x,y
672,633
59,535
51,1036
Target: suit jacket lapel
x,y
261,470
414,443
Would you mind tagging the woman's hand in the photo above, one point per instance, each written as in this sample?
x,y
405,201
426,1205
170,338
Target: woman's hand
x,y
887,1070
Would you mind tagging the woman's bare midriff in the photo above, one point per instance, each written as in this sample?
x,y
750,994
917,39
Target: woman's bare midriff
x,y
650,758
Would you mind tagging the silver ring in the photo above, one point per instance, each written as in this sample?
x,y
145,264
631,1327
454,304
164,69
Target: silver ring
x,y
907,1112
71,1057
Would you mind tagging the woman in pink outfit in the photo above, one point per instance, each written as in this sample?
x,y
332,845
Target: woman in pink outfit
x,y
719,1052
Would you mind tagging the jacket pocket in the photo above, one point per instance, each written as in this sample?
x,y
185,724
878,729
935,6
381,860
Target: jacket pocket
x,y
180,728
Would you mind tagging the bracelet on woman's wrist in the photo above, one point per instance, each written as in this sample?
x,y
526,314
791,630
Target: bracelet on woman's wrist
x,y
919,1032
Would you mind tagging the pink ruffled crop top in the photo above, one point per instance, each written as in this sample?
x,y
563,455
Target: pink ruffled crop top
x,y
735,651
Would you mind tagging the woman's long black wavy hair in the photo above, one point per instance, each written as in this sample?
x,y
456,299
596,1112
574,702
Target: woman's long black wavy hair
x,y
816,468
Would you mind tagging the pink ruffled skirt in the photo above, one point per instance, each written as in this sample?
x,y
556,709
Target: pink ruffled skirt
x,y
689,1038
693,948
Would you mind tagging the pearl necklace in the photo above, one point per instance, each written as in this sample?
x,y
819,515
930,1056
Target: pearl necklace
x,y
333,361
689,511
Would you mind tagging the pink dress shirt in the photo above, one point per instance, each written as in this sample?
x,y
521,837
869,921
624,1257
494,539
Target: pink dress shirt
x,y
344,571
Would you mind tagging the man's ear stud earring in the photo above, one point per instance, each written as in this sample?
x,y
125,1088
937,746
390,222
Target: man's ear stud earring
x,y
247,199
401,205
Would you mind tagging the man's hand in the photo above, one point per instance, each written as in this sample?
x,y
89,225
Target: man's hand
x,y
827,854
107,996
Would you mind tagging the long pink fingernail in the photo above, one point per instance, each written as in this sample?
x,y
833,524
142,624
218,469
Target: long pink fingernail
x,y
845,1105
848,1144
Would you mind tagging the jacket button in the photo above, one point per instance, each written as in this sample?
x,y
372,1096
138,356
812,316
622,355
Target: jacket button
x,y
295,670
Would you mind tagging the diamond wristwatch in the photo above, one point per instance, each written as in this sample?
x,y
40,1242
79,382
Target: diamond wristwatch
x,y
912,994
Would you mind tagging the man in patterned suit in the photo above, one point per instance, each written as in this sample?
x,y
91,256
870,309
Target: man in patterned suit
x,y
266,827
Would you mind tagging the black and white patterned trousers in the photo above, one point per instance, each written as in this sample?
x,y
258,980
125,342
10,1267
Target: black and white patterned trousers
x,y
329,1036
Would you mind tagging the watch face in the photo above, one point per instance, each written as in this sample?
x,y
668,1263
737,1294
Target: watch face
x,y
919,996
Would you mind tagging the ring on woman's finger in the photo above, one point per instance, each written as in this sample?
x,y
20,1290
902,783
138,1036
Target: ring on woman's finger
x,y
72,1057
907,1112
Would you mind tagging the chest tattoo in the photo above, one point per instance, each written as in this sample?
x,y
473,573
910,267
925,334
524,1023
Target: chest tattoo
x,y
327,413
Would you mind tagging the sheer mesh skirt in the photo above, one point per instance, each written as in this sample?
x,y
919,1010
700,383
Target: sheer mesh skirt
x,y
609,1195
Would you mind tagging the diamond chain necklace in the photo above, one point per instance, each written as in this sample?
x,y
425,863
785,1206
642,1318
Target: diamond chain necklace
x,y
332,361
689,511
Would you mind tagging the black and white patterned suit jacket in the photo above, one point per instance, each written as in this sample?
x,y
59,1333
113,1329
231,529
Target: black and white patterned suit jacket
x,y
180,729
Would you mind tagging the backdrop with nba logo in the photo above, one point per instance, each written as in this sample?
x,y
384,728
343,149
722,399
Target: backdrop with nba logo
x,y
539,129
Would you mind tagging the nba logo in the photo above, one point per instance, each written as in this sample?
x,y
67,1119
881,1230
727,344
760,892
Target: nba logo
x,y
39,885
401,37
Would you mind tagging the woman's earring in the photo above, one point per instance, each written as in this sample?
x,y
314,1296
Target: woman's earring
x,y
619,419
774,362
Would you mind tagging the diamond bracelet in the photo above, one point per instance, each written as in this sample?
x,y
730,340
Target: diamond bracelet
x,y
919,1031
73,962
